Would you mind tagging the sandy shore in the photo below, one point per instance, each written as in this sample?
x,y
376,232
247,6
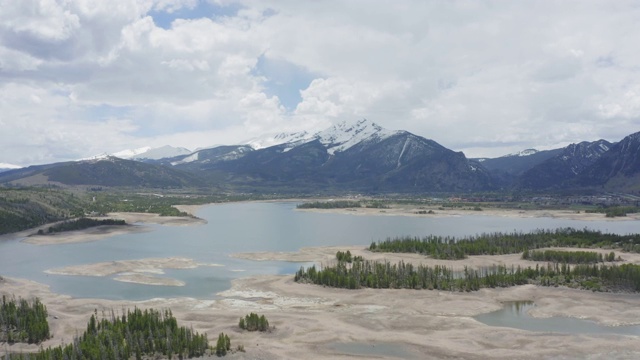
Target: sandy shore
x,y
140,271
135,223
412,210
313,321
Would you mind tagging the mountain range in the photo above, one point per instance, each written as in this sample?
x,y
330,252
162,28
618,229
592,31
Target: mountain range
x,y
352,156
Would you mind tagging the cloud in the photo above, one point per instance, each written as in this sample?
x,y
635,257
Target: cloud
x,y
488,78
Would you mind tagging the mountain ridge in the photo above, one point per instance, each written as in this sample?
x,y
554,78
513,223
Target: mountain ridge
x,y
358,156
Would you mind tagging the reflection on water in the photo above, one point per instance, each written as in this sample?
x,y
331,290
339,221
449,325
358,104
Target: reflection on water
x,y
516,315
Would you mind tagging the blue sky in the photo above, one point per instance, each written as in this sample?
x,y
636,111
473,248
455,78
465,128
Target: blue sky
x,y
486,78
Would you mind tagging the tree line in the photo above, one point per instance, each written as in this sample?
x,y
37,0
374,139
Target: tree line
x,y
452,248
135,334
384,275
569,257
81,223
615,211
23,321
338,204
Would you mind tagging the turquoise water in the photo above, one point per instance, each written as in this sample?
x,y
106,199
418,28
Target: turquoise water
x,y
242,227
516,315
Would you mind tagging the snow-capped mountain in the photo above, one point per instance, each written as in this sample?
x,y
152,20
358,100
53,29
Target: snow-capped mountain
x,y
351,155
337,138
346,134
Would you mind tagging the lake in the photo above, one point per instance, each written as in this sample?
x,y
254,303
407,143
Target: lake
x,y
243,227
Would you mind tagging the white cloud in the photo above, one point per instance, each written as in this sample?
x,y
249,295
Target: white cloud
x,y
486,78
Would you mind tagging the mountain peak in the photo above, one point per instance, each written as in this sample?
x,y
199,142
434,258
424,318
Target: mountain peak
x,y
346,134
338,137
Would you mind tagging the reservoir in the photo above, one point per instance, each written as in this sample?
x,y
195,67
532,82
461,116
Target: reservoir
x,y
243,227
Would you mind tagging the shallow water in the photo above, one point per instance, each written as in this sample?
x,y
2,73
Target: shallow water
x,y
516,315
243,227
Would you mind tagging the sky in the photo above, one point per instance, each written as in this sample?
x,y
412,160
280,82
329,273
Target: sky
x,y
84,77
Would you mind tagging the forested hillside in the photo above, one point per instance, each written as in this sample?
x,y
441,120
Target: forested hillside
x,y
23,208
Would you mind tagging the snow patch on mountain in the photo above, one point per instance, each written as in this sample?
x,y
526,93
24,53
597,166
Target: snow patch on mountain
x,y
343,136
102,156
604,147
150,153
269,140
526,152
191,158
131,153
337,138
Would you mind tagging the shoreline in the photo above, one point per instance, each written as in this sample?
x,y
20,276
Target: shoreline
x,y
412,210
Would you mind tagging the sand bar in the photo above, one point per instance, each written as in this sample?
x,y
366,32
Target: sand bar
x,y
140,271
148,280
